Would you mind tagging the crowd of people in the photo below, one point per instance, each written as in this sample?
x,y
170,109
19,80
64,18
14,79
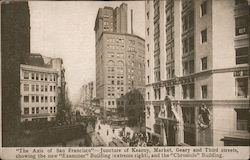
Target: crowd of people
x,y
137,139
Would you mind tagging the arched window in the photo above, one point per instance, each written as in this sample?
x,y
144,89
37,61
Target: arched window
x,y
120,63
111,63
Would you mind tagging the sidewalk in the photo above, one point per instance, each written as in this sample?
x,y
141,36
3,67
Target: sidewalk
x,y
106,133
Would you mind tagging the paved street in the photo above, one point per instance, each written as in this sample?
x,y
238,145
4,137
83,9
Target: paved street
x,y
110,133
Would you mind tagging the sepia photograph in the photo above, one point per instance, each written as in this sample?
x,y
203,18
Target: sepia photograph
x,y
153,73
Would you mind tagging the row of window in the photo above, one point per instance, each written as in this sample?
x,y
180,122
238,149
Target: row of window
x,y
39,110
119,82
119,70
170,91
112,89
115,40
118,76
132,55
188,90
188,66
113,103
112,95
39,76
118,55
112,63
37,88
120,40
42,99
117,47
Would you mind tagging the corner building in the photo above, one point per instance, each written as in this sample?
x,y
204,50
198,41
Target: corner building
x,y
197,72
119,58
40,88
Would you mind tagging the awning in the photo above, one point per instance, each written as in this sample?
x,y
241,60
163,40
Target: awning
x,y
236,141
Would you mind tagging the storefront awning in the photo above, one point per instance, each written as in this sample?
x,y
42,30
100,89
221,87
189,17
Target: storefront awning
x,y
235,141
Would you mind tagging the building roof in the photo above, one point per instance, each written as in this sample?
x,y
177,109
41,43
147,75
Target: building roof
x,y
116,33
36,59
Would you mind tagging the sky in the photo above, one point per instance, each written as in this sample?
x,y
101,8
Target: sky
x,y
65,29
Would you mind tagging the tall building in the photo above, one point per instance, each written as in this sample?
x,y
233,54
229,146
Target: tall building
x,y
41,85
197,72
112,20
119,57
87,94
15,49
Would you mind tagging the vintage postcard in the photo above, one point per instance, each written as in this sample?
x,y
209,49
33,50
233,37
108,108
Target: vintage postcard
x,y
154,79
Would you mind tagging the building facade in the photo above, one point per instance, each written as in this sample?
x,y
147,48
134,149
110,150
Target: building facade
x,y
197,72
41,87
119,58
15,49
87,94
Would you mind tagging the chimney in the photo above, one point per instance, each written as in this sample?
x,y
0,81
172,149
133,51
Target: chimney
x,y
132,21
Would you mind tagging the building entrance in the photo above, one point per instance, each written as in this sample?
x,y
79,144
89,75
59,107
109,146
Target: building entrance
x,y
171,135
